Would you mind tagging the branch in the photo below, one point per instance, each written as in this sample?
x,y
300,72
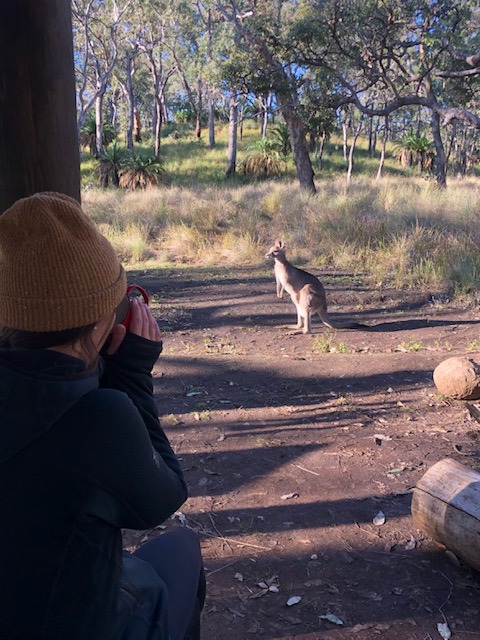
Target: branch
x,y
454,113
247,34
457,74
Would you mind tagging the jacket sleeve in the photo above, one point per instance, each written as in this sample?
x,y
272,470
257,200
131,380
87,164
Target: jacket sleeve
x,y
133,487
129,370
140,483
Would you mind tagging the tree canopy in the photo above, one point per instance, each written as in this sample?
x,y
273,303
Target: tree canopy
x,y
415,62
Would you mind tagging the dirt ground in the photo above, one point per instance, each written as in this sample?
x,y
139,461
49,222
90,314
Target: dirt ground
x,y
292,445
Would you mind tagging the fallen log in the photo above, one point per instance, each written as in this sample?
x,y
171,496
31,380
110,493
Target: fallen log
x,y
446,506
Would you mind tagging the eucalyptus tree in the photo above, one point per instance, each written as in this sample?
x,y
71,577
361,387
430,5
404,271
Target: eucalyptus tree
x,y
189,57
199,60
232,135
410,52
97,32
157,42
262,26
125,73
318,114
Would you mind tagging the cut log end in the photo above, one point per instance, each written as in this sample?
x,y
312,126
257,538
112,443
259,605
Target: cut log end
x,y
446,506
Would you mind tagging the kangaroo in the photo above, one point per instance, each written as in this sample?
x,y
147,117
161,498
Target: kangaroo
x,y
306,291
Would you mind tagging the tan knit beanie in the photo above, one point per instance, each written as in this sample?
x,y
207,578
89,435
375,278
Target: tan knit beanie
x,y
56,270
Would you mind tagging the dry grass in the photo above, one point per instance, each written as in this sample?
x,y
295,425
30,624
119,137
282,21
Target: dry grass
x,y
401,231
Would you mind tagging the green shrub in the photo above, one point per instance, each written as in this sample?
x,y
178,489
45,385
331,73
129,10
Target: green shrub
x,y
139,172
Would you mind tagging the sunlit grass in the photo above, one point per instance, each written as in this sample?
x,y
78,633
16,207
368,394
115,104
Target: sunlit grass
x,y
131,242
400,231
190,162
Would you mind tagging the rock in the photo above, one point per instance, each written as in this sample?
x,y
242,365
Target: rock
x,y
458,378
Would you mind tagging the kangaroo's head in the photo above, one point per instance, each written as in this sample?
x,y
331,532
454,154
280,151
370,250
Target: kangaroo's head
x,y
277,251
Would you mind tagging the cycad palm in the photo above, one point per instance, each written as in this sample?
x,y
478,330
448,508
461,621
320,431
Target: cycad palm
x,y
263,159
139,172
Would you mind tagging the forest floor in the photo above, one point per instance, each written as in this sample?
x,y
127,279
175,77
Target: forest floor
x,y
292,444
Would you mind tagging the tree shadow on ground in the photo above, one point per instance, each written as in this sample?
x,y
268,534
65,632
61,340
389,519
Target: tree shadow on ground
x,y
218,379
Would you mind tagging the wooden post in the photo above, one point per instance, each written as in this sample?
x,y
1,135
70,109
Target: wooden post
x,y
38,132
446,505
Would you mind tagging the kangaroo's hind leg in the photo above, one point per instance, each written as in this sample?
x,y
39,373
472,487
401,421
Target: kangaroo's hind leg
x,y
300,316
305,308
319,305
307,327
303,319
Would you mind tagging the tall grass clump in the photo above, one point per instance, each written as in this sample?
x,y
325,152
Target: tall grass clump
x,y
131,243
402,232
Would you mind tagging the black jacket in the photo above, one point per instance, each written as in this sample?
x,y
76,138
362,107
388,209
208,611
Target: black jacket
x,y
76,465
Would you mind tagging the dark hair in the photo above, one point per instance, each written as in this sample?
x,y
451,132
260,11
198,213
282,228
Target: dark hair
x,y
17,339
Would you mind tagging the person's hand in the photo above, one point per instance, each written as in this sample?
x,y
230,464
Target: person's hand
x,y
115,338
142,322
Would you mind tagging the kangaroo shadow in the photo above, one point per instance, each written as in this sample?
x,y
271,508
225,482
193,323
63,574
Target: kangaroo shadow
x,y
420,323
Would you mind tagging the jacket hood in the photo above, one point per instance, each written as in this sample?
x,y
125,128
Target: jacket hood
x,y
37,387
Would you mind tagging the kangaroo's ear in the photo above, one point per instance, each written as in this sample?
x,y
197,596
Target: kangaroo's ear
x,y
278,244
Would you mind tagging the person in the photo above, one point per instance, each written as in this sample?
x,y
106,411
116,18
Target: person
x,y
82,452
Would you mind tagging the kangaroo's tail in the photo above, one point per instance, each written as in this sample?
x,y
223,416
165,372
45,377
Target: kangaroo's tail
x,y
318,304
345,325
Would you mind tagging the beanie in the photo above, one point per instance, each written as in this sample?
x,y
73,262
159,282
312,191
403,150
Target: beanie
x,y
57,271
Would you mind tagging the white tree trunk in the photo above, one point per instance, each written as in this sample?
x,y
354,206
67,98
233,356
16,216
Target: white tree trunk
x,y
211,121
232,135
384,148
99,123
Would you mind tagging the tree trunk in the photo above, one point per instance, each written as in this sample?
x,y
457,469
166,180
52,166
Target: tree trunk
x,y
471,154
264,123
320,150
199,109
242,108
462,156
232,136
158,125
352,149
211,121
384,148
451,146
38,131
130,101
300,154
263,102
137,126
112,110
370,137
165,117
154,119
98,124
373,149
344,131
103,177
419,121
440,166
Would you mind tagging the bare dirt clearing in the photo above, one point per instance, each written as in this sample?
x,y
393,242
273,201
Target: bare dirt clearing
x,y
293,444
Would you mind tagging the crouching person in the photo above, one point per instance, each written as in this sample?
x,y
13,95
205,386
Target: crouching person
x,y
82,453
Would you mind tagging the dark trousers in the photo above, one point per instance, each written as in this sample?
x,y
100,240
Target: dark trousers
x,y
177,559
